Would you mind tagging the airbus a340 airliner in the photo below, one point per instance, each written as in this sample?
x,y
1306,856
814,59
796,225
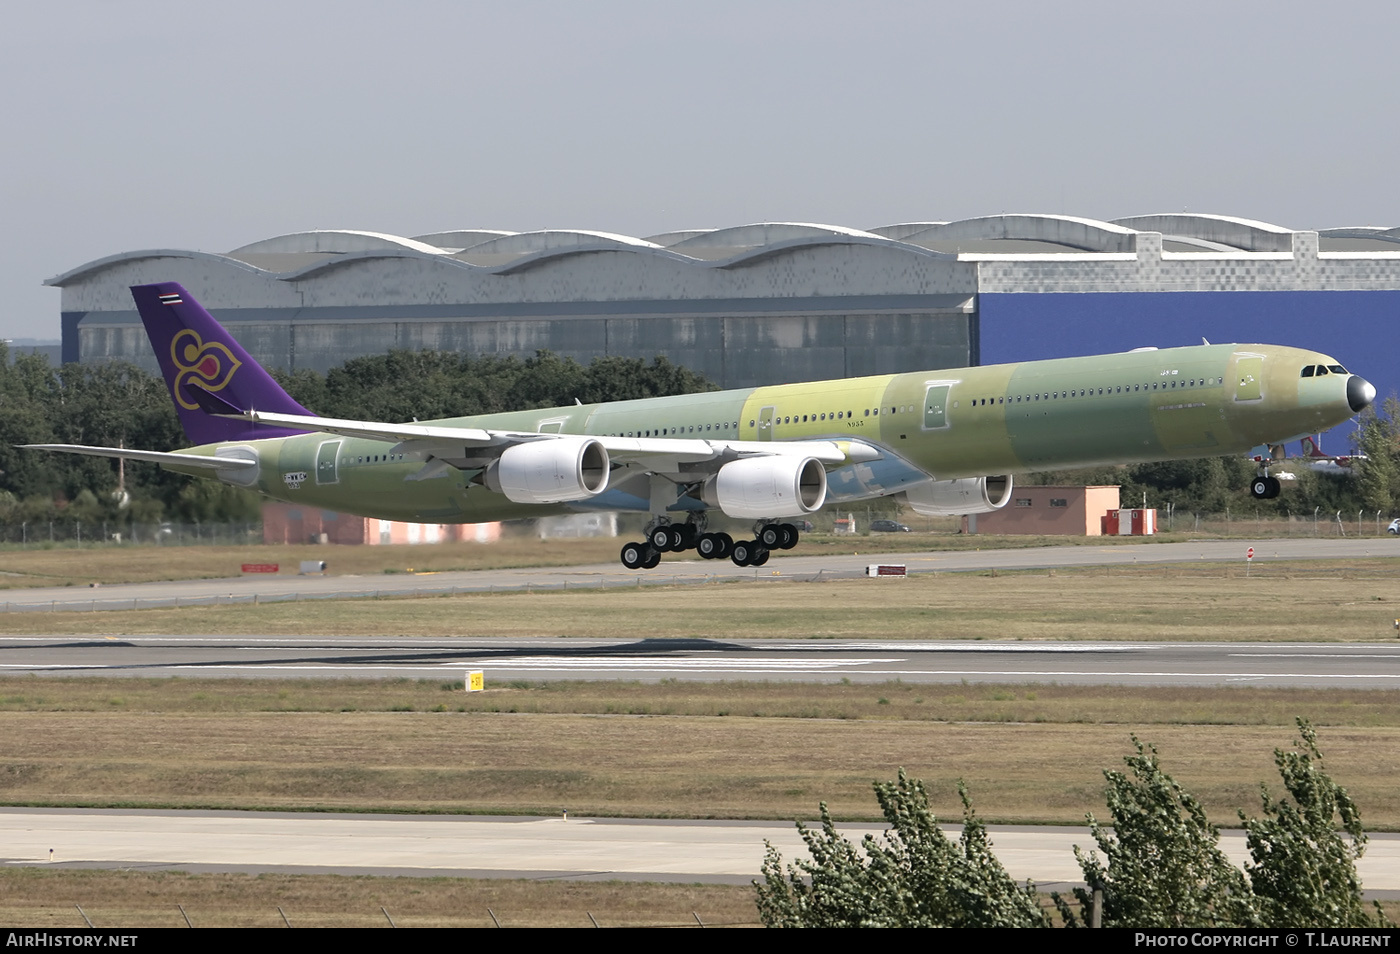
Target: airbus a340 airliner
x,y
950,441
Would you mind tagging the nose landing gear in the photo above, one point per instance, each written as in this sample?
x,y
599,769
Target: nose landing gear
x,y
1265,487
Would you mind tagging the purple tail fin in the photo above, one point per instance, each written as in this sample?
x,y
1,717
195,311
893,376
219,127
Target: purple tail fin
x,y
197,355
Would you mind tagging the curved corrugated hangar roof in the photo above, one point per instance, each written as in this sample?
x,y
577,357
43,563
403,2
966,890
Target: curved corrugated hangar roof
x,y
748,304
290,255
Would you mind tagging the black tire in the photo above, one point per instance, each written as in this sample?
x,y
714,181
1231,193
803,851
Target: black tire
x,y
759,558
1275,487
653,558
634,555
660,539
771,536
1259,488
789,537
709,546
726,546
742,552
677,540
689,536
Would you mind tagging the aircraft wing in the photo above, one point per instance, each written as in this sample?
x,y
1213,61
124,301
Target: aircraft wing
x,y
157,457
663,454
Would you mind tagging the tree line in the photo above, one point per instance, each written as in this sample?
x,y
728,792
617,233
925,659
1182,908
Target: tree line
x,y
1158,865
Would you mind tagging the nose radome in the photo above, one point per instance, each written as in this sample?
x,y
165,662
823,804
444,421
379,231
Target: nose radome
x,y
1360,393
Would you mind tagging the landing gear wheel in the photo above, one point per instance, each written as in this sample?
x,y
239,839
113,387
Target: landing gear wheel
x,y
771,536
743,552
634,555
660,539
1275,487
653,558
789,537
726,545
759,558
707,546
1259,488
678,540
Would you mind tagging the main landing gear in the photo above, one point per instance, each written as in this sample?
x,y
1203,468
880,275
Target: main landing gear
x,y
675,538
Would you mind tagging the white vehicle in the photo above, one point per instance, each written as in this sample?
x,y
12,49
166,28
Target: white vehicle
x,y
1394,528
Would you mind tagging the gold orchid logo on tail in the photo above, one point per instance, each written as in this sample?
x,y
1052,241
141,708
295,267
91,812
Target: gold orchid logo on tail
x,y
210,365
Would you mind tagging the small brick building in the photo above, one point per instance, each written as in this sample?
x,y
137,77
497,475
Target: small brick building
x,y
1065,510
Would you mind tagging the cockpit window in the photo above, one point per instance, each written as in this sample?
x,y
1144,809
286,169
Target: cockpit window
x,y
1337,369
1321,370
1308,371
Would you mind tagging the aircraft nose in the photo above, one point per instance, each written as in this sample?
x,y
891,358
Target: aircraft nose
x,y
1360,393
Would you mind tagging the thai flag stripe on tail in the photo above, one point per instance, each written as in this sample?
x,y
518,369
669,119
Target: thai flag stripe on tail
x,y
171,299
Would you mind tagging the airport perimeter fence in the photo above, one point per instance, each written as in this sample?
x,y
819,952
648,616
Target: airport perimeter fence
x,y
1252,523
61,532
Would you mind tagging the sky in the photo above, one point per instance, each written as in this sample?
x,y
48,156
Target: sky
x,y
146,124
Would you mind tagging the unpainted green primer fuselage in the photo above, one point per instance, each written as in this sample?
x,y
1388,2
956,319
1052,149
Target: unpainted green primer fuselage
x,y
1122,408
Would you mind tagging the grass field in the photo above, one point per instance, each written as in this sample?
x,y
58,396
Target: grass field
x,y
729,750
1027,753
1303,601
46,898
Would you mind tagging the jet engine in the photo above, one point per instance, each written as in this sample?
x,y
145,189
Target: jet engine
x,y
550,471
953,498
762,487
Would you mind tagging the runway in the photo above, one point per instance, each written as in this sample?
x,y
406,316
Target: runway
x,y
1299,665
729,852
682,570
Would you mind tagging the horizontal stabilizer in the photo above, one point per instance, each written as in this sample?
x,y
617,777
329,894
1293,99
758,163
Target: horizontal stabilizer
x,y
155,457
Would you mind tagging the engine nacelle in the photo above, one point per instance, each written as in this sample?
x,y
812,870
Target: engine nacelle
x,y
757,488
550,471
953,498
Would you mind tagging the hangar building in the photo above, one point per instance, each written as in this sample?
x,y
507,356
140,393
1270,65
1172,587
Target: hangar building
x,y
776,302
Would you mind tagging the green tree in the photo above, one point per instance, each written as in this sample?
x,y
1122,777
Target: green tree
x,y
1162,865
1302,867
425,385
914,876
1378,442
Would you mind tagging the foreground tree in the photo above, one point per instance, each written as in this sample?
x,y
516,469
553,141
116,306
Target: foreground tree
x,y
915,876
1302,867
1162,865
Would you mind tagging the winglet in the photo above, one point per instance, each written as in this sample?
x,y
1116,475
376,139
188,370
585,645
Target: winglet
x,y
198,357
